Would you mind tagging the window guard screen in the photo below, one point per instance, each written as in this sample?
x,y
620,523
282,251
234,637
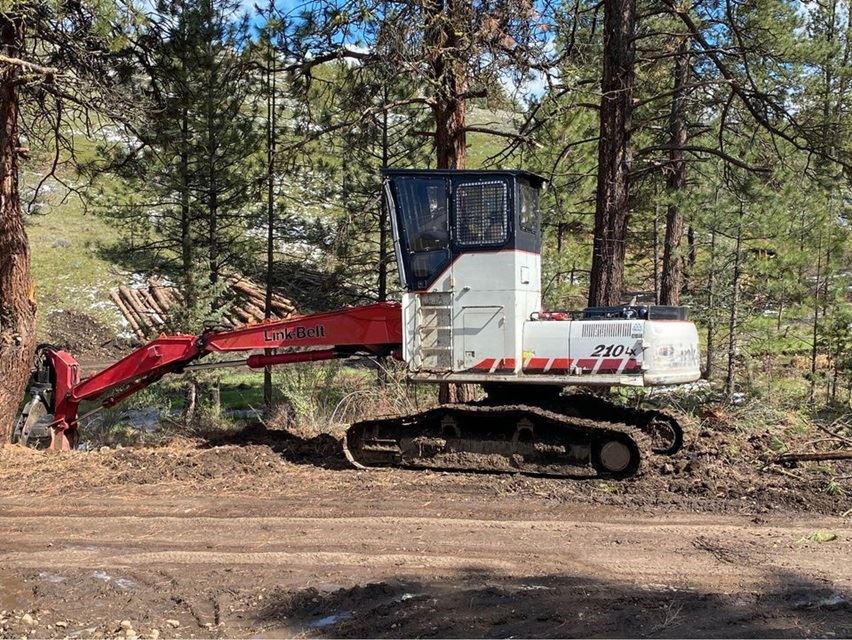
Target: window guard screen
x,y
481,213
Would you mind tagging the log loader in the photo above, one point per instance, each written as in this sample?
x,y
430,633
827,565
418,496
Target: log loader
x,y
468,250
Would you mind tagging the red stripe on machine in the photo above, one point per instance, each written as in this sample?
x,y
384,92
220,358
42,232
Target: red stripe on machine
x,y
587,363
484,365
560,365
610,365
632,365
507,365
536,365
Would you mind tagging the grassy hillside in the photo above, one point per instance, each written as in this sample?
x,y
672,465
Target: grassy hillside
x,y
67,270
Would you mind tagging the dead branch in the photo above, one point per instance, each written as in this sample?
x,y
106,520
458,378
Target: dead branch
x,y
842,454
48,72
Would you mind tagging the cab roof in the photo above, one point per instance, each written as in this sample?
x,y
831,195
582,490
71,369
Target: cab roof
x,y
535,179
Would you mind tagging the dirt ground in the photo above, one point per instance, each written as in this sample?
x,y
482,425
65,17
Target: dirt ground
x,y
87,338
268,535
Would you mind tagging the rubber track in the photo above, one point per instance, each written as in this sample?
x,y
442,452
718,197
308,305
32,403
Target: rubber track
x,y
642,440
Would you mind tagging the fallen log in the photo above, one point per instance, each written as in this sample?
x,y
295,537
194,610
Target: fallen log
x,y
843,454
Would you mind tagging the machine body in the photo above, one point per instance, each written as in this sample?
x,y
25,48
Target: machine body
x,y
468,250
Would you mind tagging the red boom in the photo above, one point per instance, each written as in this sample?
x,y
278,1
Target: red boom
x,y
374,329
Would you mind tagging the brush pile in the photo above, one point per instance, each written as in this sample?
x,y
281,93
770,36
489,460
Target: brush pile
x,y
148,309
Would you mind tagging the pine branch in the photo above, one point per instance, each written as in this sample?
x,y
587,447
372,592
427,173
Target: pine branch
x,y
709,150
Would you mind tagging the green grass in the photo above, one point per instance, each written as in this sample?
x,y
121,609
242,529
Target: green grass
x,y
67,271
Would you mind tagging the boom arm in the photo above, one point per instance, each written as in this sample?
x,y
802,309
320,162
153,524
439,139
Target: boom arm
x,y
371,330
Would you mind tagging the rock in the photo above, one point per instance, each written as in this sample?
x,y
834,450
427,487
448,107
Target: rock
x,y
27,619
61,624
668,468
126,624
155,634
104,449
174,624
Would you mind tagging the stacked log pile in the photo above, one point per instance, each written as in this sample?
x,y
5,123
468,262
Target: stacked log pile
x,y
148,308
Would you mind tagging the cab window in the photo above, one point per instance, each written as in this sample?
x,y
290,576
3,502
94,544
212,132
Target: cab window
x,y
422,206
529,213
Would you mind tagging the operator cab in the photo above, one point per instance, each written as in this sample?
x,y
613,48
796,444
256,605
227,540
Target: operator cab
x,y
438,215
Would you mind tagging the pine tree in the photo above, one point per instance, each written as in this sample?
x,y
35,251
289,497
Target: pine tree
x,y
188,191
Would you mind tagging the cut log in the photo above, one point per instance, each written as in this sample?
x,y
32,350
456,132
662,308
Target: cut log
x,y
244,316
133,305
142,308
254,310
160,296
157,314
127,315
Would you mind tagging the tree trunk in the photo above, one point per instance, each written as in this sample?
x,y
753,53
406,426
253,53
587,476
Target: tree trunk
x,y
187,245
711,310
815,325
212,186
730,380
672,276
611,203
268,399
448,73
17,306
656,249
190,401
382,373
383,212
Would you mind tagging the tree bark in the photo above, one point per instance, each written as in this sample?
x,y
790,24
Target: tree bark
x,y
711,309
673,262
212,186
815,324
656,250
17,306
268,398
187,242
731,378
611,202
448,73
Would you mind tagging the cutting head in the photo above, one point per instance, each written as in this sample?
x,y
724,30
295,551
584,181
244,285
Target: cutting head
x,y
32,428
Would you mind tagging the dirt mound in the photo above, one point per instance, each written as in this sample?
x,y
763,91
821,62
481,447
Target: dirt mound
x,y
319,449
225,467
84,336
